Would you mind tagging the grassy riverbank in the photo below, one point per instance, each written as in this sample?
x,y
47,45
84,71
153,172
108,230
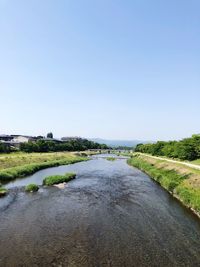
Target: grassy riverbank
x,y
22,164
197,162
182,181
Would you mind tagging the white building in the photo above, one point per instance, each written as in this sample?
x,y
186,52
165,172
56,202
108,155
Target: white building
x,y
22,139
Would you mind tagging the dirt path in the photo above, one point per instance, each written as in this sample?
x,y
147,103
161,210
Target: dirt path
x,y
174,161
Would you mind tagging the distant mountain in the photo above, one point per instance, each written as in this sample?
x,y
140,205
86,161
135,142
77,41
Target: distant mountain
x,y
116,143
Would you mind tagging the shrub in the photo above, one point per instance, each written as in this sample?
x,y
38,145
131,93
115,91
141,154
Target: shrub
x,y
111,159
70,145
57,179
3,191
185,149
32,188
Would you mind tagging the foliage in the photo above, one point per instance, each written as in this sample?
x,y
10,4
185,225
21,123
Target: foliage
x,y
32,188
3,191
4,148
72,145
111,159
186,149
57,179
50,135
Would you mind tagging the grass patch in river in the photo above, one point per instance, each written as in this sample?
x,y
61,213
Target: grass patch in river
x,y
32,188
111,158
3,191
57,179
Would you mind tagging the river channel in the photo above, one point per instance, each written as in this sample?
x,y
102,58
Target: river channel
x,y
110,215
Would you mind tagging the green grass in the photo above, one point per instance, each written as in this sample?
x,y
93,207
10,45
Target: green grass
x,y
190,196
32,188
197,162
3,191
174,182
111,159
57,179
125,154
20,158
169,179
39,163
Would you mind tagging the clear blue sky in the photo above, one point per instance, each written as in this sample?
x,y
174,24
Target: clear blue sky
x,y
100,68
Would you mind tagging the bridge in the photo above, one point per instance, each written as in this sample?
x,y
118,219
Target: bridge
x,y
108,151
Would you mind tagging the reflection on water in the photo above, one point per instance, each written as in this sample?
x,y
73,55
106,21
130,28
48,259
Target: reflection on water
x,y
110,215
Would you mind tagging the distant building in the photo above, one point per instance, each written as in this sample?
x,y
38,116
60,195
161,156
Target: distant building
x,y
5,138
23,138
16,140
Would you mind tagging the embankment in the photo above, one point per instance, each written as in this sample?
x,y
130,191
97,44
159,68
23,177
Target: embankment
x,y
181,181
24,164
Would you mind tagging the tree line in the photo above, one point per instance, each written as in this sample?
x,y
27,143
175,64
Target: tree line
x,y
185,149
52,146
4,148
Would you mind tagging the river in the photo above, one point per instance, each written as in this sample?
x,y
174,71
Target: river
x,y
110,215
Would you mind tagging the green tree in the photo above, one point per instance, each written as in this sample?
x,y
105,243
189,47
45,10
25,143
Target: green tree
x,y
50,135
4,148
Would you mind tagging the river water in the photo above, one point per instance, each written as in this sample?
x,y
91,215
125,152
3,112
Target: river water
x,y
110,215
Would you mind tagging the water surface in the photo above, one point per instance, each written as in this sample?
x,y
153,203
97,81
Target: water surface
x,y
110,215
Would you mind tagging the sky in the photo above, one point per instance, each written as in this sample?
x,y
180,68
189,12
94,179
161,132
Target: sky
x,y
113,69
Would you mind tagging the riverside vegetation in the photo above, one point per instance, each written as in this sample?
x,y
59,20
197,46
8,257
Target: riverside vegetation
x,y
3,191
52,146
185,149
57,179
111,158
181,181
32,188
51,180
20,164
34,156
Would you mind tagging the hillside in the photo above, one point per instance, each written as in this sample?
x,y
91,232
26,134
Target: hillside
x,y
116,143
